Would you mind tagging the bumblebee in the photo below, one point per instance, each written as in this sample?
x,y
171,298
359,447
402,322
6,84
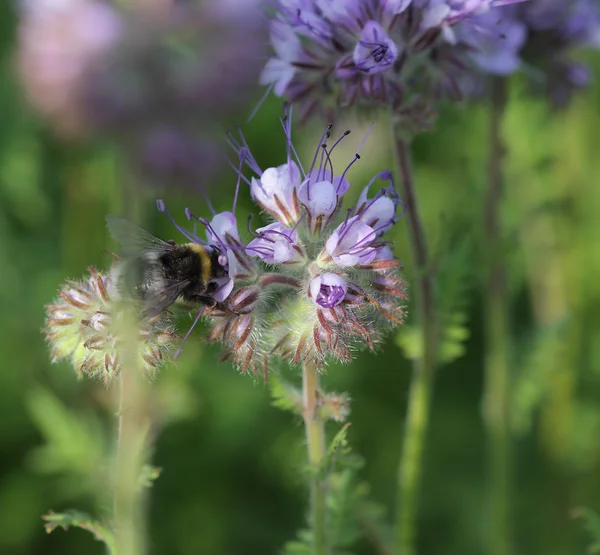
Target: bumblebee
x,y
159,272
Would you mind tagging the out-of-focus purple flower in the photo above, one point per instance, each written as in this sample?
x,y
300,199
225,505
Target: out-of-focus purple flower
x,y
539,37
158,82
174,155
375,51
331,54
59,44
556,29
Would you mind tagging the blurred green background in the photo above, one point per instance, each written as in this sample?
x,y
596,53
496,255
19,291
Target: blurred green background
x,y
231,480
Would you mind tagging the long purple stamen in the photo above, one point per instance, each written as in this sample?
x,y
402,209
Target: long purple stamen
x,y
344,135
239,179
287,129
321,165
312,166
327,162
355,159
275,232
211,230
160,205
254,234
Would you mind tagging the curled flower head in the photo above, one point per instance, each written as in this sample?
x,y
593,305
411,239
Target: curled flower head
x,y
84,325
316,283
393,52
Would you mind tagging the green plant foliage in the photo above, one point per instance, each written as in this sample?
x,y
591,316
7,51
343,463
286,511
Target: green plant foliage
x,y
284,395
75,445
84,521
591,521
536,362
352,513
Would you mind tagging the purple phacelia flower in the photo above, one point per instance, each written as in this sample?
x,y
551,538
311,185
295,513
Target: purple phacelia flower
x,y
277,244
328,290
59,46
332,54
315,283
543,34
134,76
352,243
276,192
375,51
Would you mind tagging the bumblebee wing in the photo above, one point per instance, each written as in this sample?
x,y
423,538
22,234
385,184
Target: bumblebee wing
x,y
163,298
132,238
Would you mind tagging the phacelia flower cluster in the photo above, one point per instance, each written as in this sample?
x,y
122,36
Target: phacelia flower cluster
x,y
318,281
83,326
547,33
391,52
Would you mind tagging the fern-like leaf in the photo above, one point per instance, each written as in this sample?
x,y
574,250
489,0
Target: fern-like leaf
x,y
78,519
284,395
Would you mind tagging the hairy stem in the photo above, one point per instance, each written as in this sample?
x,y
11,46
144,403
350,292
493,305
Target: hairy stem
x,y
129,498
497,381
315,441
410,464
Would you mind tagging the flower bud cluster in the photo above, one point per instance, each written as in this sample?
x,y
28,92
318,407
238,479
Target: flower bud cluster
x,y
83,326
318,281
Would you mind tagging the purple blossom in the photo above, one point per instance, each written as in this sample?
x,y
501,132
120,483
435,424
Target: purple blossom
x,y
276,191
276,244
329,54
352,243
379,212
375,51
100,68
328,290
538,39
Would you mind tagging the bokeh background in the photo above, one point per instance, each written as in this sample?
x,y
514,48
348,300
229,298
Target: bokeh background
x,y
232,463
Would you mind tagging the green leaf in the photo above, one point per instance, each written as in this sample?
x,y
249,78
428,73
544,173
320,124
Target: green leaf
x,y
454,336
452,342
410,341
285,396
591,522
81,520
300,546
339,445
75,444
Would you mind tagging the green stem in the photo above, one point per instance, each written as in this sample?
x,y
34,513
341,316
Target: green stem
x,y
128,495
497,345
409,467
315,441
